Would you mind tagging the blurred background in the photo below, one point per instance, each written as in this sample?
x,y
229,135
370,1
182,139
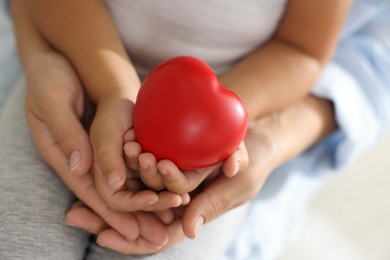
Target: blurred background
x,y
350,218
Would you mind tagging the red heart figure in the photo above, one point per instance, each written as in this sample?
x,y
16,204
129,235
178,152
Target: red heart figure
x,y
183,114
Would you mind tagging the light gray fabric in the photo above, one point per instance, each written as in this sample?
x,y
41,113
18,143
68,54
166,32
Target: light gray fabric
x,y
34,202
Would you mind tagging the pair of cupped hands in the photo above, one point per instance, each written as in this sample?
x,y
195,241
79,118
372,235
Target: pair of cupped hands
x,y
134,204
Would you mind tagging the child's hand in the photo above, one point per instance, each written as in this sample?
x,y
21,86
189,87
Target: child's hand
x,y
165,174
132,195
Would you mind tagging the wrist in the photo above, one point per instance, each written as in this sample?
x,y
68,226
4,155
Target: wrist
x,y
263,136
36,58
115,91
110,78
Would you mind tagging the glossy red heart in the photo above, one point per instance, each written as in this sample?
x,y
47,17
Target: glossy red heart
x,y
183,114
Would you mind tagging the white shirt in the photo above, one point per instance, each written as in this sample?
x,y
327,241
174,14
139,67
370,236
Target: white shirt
x,y
219,32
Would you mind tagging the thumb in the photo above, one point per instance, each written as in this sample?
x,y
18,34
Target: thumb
x,y
112,120
72,138
222,194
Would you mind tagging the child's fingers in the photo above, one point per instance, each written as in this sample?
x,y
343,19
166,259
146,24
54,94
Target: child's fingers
x,y
185,199
132,150
134,184
166,200
149,173
121,199
129,200
182,182
129,136
237,162
81,216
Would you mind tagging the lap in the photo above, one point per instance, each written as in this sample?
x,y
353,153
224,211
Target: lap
x,y
33,199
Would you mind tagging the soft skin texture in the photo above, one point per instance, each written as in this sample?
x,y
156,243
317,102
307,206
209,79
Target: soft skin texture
x,y
271,141
54,82
300,45
112,85
118,100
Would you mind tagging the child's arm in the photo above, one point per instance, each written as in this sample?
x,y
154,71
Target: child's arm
x,y
284,70
274,76
84,32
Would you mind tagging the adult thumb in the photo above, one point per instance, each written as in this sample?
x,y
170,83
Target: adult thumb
x,y
71,137
222,194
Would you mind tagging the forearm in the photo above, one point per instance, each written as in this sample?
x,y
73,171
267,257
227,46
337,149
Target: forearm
x,y
84,32
303,124
274,76
284,70
29,42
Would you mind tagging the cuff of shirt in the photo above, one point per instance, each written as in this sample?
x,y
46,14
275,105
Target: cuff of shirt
x,y
359,127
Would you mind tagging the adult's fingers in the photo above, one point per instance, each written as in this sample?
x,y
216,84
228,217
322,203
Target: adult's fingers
x,y
222,194
71,137
113,240
79,215
152,229
82,186
68,132
153,233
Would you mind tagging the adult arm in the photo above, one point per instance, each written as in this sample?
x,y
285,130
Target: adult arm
x,y
52,81
84,33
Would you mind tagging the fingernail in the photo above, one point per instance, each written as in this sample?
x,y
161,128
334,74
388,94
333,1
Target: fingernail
x,y
151,201
71,224
75,160
198,224
238,166
159,246
114,180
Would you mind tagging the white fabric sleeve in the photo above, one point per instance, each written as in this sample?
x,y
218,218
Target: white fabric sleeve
x,y
358,83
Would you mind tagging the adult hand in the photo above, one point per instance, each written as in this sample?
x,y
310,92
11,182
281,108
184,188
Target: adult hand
x,y
54,107
94,224
53,110
270,141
